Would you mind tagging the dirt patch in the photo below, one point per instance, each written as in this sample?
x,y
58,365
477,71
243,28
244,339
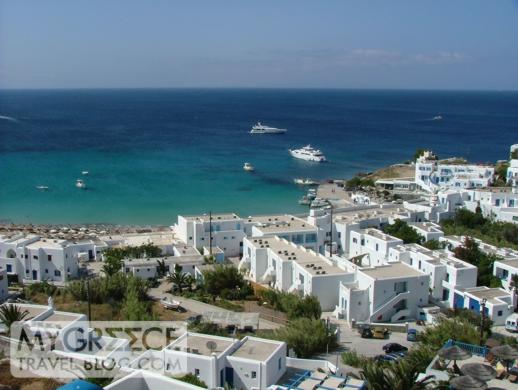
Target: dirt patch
x,y
393,172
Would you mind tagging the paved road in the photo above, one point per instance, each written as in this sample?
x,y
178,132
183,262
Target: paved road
x,y
200,307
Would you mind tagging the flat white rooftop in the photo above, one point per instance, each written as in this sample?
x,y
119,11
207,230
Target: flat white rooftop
x,y
201,344
279,224
215,217
355,215
309,260
379,235
391,271
257,349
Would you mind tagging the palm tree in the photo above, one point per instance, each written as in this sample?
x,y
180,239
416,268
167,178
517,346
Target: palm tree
x,y
394,376
161,268
10,314
177,278
189,281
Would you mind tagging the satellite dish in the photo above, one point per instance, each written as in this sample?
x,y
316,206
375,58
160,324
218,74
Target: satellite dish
x,y
211,345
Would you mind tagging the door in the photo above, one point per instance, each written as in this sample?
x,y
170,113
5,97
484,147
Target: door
x,y
34,274
229,376
458,301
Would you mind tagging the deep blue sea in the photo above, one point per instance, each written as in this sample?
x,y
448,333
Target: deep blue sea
x,y
153,154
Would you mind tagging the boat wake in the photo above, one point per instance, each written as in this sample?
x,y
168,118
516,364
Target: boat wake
x,y
8,118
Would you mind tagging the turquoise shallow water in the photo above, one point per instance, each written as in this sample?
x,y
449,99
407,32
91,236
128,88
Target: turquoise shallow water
x,y
153,154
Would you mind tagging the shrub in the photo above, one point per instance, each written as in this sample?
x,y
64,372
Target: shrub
x,y
306,337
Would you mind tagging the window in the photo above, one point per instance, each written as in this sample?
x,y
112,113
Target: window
x,y
445,294
362,242
419,264
279,364
500,313
196,372
298,238
377,247
46,271
57,273
355,240
447,277
311,237
49,257
9,267
35,257
254,374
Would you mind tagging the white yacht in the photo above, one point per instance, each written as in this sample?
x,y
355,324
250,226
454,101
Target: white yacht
x,y
42,188
262,129
308,153
305,182
248,167
437,118
80,184
84,173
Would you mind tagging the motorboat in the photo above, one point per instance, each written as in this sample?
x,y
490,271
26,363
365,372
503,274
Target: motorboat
x,y
312,193
170,303
80,184
248,167
305,200
319,202
262,129
437,118
305,182
42,188
84,173
308,153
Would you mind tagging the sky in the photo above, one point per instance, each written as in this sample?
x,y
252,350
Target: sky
x,y
407,44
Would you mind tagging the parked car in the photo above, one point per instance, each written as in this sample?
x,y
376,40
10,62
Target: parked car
x,y
366,333
411,335
387,358
374,333
394,347
193,319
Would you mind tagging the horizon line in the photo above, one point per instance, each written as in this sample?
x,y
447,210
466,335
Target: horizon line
x,y
257,88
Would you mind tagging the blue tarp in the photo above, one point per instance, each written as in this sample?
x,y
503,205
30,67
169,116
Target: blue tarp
x,y
79,384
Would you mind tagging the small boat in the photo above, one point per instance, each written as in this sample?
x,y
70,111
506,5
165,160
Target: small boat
x,y
170,304
262,129
312,194
319,202
84,173
305,182
42,188
248,167
305,201
80,184
437,118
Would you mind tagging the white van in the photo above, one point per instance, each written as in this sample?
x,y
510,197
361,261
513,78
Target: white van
x,y
511,323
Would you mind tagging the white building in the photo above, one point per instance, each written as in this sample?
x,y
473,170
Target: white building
x,y
227,232
389,293
288,227
429,230
446,272
356,219
287,267
431,174
33,258
497,203
373,243
512,171
498,303
504,270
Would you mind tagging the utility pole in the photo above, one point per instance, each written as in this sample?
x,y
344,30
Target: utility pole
x,y
89,300
210,234
482,317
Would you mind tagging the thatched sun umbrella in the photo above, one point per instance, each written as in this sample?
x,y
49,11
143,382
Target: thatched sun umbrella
x,y
467,382
505,353
454,353
479,371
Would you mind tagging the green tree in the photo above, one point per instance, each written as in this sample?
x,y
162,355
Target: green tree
x,y
10,314
161,268
112,265
306,337
133,309
178,278
470,252
192,379
223,277
459,329
433,244
307,307
402,230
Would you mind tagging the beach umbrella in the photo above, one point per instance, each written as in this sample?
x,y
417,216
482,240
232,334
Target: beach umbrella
x,y
454,353
479,371
505,352
467,382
